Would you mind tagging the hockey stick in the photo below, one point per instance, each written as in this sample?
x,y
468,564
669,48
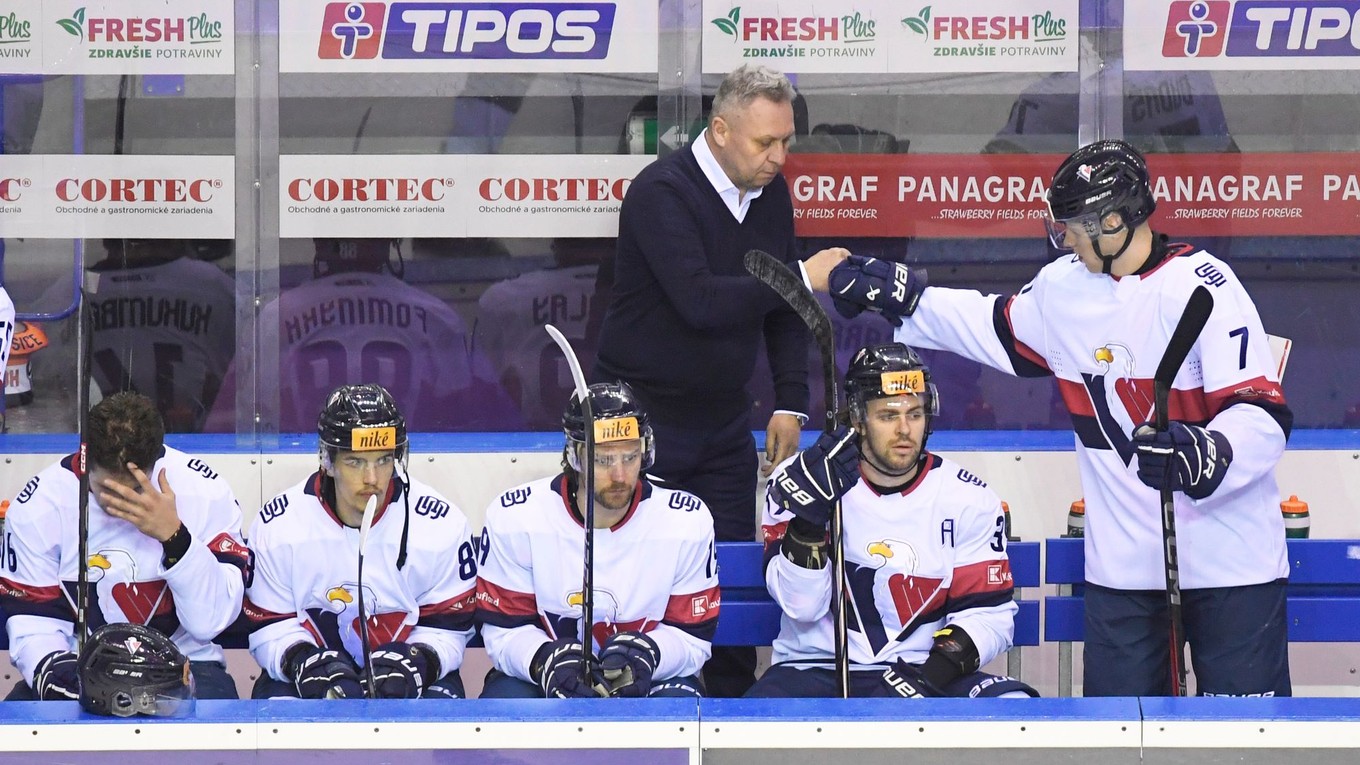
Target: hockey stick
x,y
84,341
790,287
588,470
364,526
1183,338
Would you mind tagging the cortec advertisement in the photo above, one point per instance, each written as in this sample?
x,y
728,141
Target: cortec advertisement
x,y
454,195
92,196
1283,35
890,37
123,37
952,196
457,36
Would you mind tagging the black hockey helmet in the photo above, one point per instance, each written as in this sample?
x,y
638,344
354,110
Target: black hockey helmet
x,y
361,418
891,369
618,416
1096,180
128,669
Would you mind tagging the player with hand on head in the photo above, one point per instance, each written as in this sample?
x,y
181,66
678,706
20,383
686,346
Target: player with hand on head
x,y
930,596
655,588
419,580
165,551
1100,320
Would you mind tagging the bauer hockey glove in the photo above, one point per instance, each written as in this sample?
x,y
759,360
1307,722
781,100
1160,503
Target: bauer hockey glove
x,y
628,660
810,484
892,289
319,674
1190,458
55,678
401,670
558,670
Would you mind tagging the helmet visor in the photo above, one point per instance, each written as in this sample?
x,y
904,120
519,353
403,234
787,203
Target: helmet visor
x,y
155,700
1087,226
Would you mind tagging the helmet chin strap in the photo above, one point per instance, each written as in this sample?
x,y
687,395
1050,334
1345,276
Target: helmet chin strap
x,y
1107,261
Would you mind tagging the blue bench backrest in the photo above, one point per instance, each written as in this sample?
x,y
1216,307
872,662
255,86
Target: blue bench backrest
x,y
1323,593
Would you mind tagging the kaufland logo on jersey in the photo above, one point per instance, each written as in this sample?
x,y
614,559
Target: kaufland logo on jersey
x,y
467,30
1245,28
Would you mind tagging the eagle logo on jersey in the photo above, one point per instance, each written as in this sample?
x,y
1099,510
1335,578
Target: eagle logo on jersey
x,y
343,609
113,574
912,596
605,616
1120,400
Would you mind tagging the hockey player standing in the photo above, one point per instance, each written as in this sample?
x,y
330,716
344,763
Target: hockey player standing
x,y
930,597
420,568
1099,320
164,546
655,578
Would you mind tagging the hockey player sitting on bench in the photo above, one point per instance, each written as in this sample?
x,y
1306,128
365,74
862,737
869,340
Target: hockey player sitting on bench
x,y
929,594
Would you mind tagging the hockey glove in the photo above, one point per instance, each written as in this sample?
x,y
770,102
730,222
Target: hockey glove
x,y
628,660
319,674
401,670
558,671
805,544
1193,460
810,484
892,289
55,678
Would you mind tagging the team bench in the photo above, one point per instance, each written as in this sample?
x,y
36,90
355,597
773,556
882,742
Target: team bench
x,y
751,617
1323,597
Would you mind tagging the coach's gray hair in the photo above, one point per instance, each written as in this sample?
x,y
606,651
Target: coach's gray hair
x,y
748,82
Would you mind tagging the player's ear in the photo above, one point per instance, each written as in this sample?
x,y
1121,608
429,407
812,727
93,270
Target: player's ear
x,y
327,465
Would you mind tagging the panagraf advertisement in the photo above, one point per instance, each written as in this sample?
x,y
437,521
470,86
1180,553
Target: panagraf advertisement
x,y
57,196
463,36
1241,34
891,36
122,37
952,196
454,195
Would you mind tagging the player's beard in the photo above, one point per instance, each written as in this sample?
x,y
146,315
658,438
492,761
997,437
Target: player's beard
x,y
614,497
891,461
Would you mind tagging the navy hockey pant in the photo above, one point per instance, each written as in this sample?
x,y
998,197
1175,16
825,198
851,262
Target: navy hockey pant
x,y
1238,641
502,686
448,686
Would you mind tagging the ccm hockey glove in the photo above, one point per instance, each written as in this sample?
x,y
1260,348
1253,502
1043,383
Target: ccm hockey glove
x,y
558,670
810,484
628,660
1184,458
892,289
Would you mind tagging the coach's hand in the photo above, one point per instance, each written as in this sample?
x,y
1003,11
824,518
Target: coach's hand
x,y
811,484
781,440
819,266
1184,458
892,289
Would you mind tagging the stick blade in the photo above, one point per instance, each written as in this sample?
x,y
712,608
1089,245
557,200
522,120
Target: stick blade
x,y
1183,337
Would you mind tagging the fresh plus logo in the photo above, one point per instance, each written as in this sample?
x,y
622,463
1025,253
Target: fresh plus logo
x,y
467,30
14,29
1196,29
1036,28
920,23
849,28
1262,28
74,25
352,30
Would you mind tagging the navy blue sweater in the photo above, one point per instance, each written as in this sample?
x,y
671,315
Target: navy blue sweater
x,y
685,319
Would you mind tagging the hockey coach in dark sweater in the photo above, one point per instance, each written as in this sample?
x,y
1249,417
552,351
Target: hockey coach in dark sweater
x,y
685,320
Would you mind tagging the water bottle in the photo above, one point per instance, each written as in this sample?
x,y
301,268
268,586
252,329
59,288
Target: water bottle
x,y
1296,520
1006,513
1076,519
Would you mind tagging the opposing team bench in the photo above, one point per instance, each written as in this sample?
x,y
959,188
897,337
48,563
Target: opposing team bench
x,y
1323,594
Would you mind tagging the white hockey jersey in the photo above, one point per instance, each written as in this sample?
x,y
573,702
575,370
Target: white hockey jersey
x,y
509,330
6,333
655,572
192,601
1103,339
306,576
930,555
